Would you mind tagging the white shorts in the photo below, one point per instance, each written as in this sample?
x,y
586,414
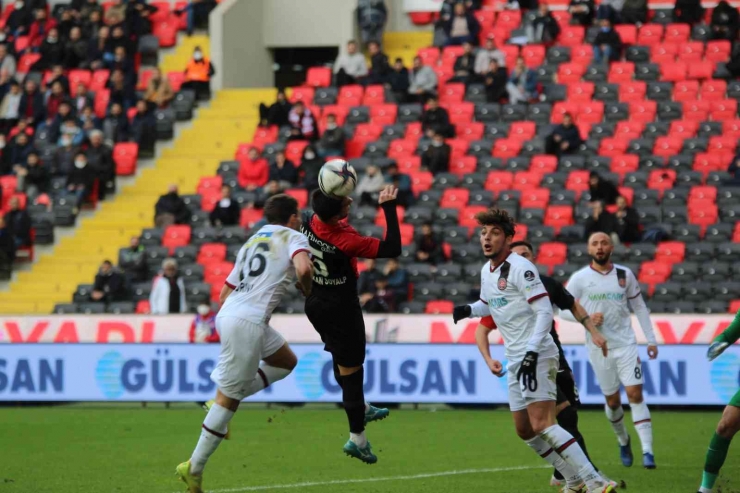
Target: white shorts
x,y
547,389
243,345
622,365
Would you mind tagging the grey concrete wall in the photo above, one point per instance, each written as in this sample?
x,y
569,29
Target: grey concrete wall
x,y
290,23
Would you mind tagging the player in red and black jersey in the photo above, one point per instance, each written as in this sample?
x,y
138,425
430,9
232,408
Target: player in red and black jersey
x,y
333,307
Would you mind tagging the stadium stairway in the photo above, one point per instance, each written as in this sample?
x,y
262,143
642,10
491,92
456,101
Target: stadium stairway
x,y
197,151
404,45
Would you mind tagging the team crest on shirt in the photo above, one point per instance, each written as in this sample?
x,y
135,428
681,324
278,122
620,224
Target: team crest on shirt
x,y
529,276
502,283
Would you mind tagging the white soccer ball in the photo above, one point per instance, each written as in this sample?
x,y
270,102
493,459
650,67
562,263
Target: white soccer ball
x,y
337,178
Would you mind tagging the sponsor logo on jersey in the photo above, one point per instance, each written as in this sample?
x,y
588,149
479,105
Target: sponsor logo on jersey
x,y
529,276
606,297
498,302
502,283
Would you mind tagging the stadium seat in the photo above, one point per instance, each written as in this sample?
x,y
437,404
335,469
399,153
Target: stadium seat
x,y
125,155
670,252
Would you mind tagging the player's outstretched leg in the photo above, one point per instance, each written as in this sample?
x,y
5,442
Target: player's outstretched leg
x,y
615,415
372,413
728,426
353,398
643,424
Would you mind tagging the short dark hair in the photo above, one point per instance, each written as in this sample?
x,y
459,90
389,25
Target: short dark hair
x,y
108,262
279,208
497,217
81,153
527,244
325,207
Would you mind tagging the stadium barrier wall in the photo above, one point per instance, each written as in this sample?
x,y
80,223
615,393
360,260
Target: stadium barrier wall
x,y
403,373
438,329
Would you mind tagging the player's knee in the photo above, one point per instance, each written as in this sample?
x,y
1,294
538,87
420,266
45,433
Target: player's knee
x,y
525,431
291,362
727,428
614,401
634,394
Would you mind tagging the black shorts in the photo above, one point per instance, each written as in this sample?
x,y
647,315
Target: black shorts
x,y
567,390
341,327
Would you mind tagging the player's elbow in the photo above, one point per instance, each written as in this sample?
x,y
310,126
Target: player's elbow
x,y
390,249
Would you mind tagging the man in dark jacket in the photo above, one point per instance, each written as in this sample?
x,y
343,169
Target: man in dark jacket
x,y
436,158
100,157
227,210
143,129
688,11
110,285
51,50
399,81
276,113
608,44
283,172
628,222
544,28
725,20
634,12
81,178
31,107
332,140
461,27
429,246
171,209
19,223
115,125
582,12
435,119
402,182
565,139
20,19
602,190
133,261
600,220
380,68
33,178
495,80
464,68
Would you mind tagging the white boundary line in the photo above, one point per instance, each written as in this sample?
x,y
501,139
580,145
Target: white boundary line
x,y
376,480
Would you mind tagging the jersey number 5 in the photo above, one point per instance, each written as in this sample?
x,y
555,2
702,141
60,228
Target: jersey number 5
x,y
318,263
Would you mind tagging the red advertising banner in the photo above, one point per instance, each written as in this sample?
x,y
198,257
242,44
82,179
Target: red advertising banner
x,y
669,329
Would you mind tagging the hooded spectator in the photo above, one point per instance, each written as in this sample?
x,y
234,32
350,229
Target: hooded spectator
x,y
302,122
110,285
565,139
227,210
253,171
688,11
371,18
171,209
486,54
168,291
602,190
310,166
462,27
725,21
422,82
350,67
333,139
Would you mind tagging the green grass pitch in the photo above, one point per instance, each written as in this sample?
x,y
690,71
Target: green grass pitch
x,y
129,449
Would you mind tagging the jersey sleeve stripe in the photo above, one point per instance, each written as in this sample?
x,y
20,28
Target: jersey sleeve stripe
x,y
484,301
299,251
536,297
635,296
231,286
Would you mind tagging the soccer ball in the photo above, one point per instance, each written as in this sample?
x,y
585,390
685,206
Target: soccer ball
x,y
337,178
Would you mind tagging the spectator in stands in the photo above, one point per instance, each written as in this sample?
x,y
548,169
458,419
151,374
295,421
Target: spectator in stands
x,y
600,220
435,119
582,12
429,246
333,139
121,91
495,80
543,29
64,157
143,128
121,45
253,171
56,98
227,210
139,18
171,209
422,82
19,19
608,43
486,54
83,97
100,157
370,185
168,291
65,23
110,285
7,250
51,50
115,125
159,92
99,50
87,7
33,179
733,66
58,75
31,107
398,280
610,10
634,12
272,188
310,166
302,122
461,27
402,182
69,128
198,74
602,190
277,112
133,261
18,222
9,108
725,21
350,67
203,328
436,158
75,49
89,120
522,85
18,150
371,18
39,28
399,81
92,23
464,68
628,222
283,172
565,139
366,280
197,12
7,62
734,171
116,13
380,68
80,179
688,11
382,300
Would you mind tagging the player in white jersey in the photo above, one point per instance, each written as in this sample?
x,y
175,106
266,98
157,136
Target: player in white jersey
x,y
607,291
265,266
513,294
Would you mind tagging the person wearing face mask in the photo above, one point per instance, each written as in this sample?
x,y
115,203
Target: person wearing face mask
x,y
608,44
40,28
333,139
110,285
203,328
80,179
51,50
310,166
168,291
159,91
436,158
9,107
227,210
64,156
198,74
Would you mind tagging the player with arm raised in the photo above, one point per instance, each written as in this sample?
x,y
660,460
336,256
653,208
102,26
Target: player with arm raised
x,y
265,266
729,424
334,307
607,291
513,294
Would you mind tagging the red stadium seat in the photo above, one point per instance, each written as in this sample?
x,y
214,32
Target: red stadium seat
x,y
731,128
162,13
294,150
677,33
429,56
701,192
510,19
570,72
673,71
691,51
467,215
249,217
77,77
700,70
461,112
663,53
534,198
166,32
552,254
506,148
628,128
353,92
408,163
661,179
632,91
401,147
592,112
300,194
264,135
561,16
452,93
414,131
176,236
706,162
455,198
421,181
581,54
211,253
450,54
628,194
125,155
667,146
671,252
625,163
318,77
543,164
612,146
703,215
374,94
459,147
339,112
527,180
684,129
142,307
652,272
26,62
511,53
696,110
650,34
383,114
208,184
725,109
367,132
577,181
215,273
580,92
718,51
722,143
534,55
522,131
439,307
470,130
557,216
571,35
99,80
463,165
421,18
102,98
443,73
627,33
485,17
304,94
734,306
620,72
561,108
499,180
713,90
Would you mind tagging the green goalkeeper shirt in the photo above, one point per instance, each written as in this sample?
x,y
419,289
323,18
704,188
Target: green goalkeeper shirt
x,y
732,333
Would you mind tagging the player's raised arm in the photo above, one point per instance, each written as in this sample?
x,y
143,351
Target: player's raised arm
x,y
634,298
390,247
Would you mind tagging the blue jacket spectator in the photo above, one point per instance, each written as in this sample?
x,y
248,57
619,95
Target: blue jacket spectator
x,y
522,85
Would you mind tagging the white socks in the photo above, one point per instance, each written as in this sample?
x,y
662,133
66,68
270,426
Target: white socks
x,y
266,375
616,417
567,447
544,450
643,425
214,429
358,439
